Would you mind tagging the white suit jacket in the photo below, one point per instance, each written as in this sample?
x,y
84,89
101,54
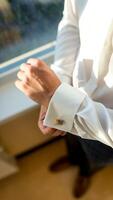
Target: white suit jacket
x,y
83,103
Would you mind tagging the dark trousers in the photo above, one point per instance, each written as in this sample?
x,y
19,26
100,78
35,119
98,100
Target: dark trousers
x,y
89,155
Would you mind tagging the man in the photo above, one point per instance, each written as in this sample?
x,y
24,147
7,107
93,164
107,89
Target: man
x,y
78,97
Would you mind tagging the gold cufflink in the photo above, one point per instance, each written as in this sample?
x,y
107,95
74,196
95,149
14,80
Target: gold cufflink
x,y
59,121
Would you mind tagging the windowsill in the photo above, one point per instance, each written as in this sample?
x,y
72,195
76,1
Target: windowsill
x,y
12,101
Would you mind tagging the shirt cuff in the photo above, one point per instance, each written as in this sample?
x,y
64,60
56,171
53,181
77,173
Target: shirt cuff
x,y
63,107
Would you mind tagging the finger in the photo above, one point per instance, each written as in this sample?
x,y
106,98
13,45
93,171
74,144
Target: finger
x,y
28,80
35,62
43,109
45,74
42,116
63,134
21,86
41,69
42,113
22,76
32,72
25,67
45,130
57,133
29,70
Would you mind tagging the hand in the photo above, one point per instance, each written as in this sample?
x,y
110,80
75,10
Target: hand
x,y
44,129
37,81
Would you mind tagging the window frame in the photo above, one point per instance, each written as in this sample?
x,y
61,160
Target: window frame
x,y
9,93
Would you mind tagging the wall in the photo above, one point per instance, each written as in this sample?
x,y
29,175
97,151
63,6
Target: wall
x,y
22,133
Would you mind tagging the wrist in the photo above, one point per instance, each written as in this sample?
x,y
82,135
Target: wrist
x,y
50,94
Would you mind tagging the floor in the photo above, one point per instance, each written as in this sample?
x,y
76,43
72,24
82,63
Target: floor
x,y
36,182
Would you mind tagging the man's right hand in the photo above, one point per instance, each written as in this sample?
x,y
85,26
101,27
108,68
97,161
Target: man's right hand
x,y
47,130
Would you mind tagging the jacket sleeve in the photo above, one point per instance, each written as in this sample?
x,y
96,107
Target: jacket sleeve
x,y
73,111
68,43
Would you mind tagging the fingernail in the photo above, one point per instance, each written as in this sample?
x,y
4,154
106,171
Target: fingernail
x,y
45,126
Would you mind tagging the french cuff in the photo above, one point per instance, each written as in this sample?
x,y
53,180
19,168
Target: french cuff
x,y
63,107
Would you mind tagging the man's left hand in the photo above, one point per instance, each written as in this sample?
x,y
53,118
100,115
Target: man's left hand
x,y
37,81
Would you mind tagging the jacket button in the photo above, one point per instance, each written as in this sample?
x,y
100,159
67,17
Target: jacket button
x,y
59,121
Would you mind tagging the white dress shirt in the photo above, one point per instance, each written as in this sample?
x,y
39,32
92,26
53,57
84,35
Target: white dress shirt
x,y
83,103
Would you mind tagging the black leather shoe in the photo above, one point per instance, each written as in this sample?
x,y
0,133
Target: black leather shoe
x,y
60,164
81,185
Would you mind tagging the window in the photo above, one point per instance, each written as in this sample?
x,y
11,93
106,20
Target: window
x,y
26,25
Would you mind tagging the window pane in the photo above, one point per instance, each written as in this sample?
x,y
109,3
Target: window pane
x,y
26,25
